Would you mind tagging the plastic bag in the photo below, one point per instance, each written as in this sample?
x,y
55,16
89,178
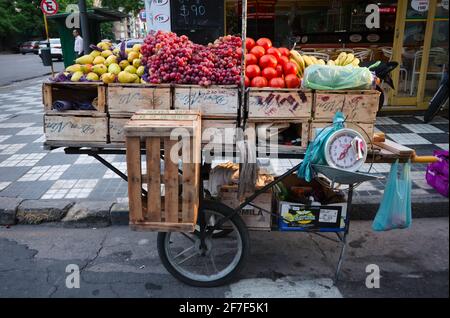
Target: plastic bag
x,y
315,151
395,208
437,172
329,77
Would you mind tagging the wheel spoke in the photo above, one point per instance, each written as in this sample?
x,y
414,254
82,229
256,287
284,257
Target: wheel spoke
x,y
213,262
187,258
188,237
182,252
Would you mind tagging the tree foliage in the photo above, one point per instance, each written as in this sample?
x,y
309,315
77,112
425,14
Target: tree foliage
x,y
129,6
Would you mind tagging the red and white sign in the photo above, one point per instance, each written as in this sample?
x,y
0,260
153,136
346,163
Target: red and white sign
x,y
49,7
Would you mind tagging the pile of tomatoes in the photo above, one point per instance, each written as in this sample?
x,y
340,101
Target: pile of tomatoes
x,y
267,66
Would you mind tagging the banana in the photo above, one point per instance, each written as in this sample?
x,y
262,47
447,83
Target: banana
x,y
321,62
331,62
307,60
297,56
314,60
355,62
349,59
341,58
299,69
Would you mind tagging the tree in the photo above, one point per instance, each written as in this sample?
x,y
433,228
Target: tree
x,y
129,6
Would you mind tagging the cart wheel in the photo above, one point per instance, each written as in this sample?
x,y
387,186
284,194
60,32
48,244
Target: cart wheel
x,y
215,264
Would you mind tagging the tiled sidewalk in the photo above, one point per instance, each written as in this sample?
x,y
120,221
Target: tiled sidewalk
x,y
29,172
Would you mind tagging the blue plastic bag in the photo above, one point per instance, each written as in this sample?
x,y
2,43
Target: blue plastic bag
x,y
395,208
315,151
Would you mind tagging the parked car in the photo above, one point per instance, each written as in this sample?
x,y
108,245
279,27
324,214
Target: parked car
x,y
55,48
29,47
130,43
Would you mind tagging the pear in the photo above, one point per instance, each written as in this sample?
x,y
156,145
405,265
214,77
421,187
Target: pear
x,y
99,69
92,77
140,71
114,68
128,50
116,51
132,55
95,53
76,76
87,68
137,48
73,68
136,63
125,77
106,53
110,59
85,59
138,80
99,60
104,45
123,64
142,81
141,56
130,69
108,78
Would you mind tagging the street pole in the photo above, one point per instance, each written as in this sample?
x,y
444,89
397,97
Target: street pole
x,y
48,43
84,26
148,12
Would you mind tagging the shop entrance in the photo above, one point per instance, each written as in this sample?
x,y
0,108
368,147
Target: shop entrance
x,y
421,47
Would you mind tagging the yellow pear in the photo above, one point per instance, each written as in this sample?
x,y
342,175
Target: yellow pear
x,y
85,59
137,48
132,55
125,77
108,78
143,82
99,69
76,76
136,63
99,60
130,69
87,68
140,71
114,68
110,59
95,53
92,77
106,53
73,68
116,51
123,64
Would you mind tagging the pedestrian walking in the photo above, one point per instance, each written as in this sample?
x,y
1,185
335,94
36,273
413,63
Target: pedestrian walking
x,y
78,47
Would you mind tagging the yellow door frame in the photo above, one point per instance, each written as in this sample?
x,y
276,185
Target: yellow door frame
x,y
418,102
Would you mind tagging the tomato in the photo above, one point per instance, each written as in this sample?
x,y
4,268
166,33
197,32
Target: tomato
x,y
247,81
279,70
290,68
269,73
274,51
268,61
265,43
259,81
292,81
249,44
250,59
283,60
258,51
277,82
252,71
284,51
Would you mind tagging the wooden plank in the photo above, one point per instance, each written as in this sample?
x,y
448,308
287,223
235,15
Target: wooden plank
x,y
219,131
189,180
163,227
212,102
76,128
366,130
117,130
154,179
279,104
123,99
395,148
134,178
170,182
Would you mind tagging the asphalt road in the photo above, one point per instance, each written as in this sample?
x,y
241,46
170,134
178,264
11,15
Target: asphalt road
x,y
116,262
18,67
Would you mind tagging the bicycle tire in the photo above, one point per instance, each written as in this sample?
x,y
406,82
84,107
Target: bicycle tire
x,y
436,103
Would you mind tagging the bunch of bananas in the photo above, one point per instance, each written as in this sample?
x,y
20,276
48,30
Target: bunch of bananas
x,y
345,59
303,61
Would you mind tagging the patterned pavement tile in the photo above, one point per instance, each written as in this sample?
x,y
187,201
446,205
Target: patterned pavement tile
x,y
22,160
9,149
3,185
70,189
43,173
409,139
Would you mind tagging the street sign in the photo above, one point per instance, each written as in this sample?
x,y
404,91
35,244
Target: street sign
x,y
49,7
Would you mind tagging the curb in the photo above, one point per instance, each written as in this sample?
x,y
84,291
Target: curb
x,y
85,214
24,79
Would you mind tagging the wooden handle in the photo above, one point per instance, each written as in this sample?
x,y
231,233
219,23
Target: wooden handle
x,y
424,159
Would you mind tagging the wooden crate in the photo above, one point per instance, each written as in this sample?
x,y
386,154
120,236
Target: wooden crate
x,y
266,147
273,104
117,129
212,102
366,130
81,92
177,209
126,99
357,106
254,218
75,130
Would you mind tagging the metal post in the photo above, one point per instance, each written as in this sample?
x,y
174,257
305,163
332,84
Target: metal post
x,y
84,26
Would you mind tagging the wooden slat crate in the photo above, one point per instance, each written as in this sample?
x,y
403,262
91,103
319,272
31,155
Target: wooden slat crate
x,y
254,218
272,104
357,106
366,130
212,102
117,129
81,92
80,130
267,141
177,209
126,99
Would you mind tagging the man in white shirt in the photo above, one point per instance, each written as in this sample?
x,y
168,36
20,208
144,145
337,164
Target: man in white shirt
x,y
78,43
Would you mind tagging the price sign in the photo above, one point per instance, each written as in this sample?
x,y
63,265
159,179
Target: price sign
x,y
49,7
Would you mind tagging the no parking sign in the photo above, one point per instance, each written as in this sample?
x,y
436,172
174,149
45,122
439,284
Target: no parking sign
x,y
49,7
